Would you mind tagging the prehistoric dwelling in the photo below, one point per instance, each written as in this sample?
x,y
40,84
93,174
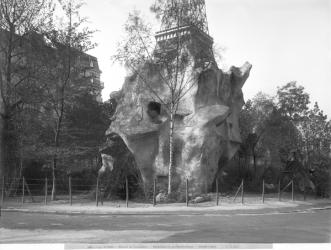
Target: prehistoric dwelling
x,y
206,131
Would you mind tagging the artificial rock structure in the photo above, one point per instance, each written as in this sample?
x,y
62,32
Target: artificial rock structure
x,y
206,131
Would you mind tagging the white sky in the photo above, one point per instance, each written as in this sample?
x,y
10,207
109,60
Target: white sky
x,y
285,40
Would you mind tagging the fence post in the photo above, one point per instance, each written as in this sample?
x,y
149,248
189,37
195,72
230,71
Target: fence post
x,y
3,191
70,191
292,190
127,191
101,195
217,195
304,189
97,192
186,192
154,193
46,189
242,191
23,181
263,191
279,190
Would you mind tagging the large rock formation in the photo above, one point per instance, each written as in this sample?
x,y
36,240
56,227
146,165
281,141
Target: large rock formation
x,y
206,126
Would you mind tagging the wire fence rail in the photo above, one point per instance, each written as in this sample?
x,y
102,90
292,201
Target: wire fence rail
x,y
70,190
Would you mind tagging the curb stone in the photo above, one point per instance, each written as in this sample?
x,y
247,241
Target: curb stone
x,y
266,211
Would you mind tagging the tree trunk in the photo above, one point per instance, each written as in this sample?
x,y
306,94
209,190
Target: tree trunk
x,y
2,146
3,104
308,157
240,166
254,162
171,150
55,156
53,196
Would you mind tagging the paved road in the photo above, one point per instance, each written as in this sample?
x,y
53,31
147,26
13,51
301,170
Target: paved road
x,y
310,226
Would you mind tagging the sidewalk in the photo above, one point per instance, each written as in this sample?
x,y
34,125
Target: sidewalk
x,y
119,208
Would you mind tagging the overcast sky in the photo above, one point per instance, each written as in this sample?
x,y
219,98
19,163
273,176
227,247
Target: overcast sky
x,y
285,40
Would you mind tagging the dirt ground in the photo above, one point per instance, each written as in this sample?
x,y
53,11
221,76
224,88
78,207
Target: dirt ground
x,y
81,204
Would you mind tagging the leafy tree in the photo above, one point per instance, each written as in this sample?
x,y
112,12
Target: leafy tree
x,y
316,133
267,133
281,136
19,22
254,121
293,101
293,104
64,75
86,123
313,133
286,128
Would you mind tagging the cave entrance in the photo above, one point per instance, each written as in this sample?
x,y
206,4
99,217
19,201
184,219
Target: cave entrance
x,y
129,172
124,167
134,187
154,109
154,112
114,182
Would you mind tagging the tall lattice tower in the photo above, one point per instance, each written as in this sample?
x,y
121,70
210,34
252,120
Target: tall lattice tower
x,y
187,19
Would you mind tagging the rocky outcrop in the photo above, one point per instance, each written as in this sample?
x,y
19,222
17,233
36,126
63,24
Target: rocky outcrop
x,y
206,126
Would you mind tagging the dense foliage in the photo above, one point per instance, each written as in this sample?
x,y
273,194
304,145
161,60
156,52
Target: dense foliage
x,y
51,123
287,137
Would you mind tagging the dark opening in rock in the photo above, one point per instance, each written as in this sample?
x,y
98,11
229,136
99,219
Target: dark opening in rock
x,y
154,109
124,167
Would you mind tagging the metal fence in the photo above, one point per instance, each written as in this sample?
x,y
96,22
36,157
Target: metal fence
x,y
73,190
39,190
